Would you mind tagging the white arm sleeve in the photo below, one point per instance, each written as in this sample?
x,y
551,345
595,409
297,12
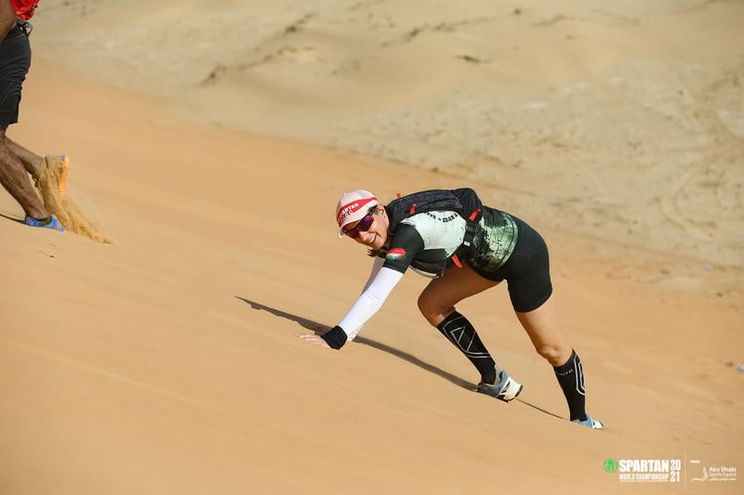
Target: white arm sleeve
x,y
370,301
376,265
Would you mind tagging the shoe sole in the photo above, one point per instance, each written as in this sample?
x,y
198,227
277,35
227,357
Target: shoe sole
x,y
596,425
514,396
508,394
503,396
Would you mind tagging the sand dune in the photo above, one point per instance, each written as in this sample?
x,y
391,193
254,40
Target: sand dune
x,y
168,361
619,121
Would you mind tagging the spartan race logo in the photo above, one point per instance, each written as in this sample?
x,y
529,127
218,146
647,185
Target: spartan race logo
x,y
645,470
668,471
348,210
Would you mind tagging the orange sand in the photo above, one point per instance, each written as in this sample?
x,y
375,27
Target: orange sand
x,y
168,362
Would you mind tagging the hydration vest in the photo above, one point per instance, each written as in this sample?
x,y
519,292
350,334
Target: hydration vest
x,y
465,202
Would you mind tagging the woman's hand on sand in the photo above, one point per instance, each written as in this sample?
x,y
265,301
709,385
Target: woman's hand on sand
x,y
314,339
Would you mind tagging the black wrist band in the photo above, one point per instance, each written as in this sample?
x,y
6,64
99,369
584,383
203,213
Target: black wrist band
x,y
335,337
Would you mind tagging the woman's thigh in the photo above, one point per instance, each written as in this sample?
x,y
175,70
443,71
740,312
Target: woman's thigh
x,y
438,299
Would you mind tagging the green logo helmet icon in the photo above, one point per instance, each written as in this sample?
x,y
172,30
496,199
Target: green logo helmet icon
x,y
610,465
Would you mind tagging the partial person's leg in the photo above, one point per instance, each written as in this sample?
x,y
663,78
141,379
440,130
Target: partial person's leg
x,y
15,59
438,299
437,304
48,171
32,162
542,327
15,180
530,290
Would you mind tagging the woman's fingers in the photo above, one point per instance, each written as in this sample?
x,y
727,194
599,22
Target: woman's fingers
x,y
313,339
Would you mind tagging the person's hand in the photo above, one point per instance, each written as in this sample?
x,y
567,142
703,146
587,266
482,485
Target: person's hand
x,y
314,339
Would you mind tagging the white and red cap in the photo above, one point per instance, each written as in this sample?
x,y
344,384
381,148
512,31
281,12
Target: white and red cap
x,y
353,206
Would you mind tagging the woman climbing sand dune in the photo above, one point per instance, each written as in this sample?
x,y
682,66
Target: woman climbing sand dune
x,y
466,247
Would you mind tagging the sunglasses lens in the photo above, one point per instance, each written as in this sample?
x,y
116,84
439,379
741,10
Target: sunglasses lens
x,y
365,223
363,226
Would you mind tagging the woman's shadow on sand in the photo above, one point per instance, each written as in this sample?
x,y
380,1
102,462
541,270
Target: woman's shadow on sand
x,y
320,328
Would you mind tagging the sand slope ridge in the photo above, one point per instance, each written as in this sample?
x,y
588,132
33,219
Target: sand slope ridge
x,y
619,121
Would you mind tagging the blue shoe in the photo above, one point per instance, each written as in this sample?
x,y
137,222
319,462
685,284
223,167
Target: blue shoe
x,y
53,223
506,388
589,423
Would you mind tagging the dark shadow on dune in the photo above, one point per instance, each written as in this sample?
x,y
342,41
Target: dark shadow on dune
x,y
540,409
319,328
304,322
11,218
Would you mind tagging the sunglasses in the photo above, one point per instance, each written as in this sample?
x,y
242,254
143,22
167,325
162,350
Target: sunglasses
x,y
364,224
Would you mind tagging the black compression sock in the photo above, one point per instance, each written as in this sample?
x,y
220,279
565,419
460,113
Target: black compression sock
x,y
460,332
571,379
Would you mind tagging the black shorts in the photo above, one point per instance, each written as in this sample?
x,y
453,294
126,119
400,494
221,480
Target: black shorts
x,y
527,271
15,60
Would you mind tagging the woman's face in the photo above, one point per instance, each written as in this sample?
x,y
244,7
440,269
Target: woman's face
x,y
376,235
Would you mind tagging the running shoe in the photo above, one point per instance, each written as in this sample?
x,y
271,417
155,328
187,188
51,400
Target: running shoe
x,y
506,388
589,423
48,223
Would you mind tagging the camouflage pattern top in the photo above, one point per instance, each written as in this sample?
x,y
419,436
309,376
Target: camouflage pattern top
x,y
426,241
